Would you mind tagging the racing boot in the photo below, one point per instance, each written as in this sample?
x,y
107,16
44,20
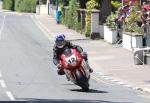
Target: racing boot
x,y
90,69
60,72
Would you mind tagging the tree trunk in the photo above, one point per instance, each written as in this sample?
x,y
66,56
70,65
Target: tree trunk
x,y
105,8
83,3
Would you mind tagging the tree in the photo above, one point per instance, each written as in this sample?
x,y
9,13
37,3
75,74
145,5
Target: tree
x,y
83,3
66,2
105,9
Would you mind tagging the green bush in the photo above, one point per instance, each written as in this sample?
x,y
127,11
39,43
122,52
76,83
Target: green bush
x,y
66,17
8,4
131,24
25,5
115,5
78,26
88,24
72,13
110,21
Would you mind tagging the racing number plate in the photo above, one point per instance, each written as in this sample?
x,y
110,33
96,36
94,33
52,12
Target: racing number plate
x,y
71,60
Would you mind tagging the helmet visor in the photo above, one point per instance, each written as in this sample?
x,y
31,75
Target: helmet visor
x,y
60,44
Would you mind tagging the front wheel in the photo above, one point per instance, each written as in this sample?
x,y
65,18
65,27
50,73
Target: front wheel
x,y
85,87
82,81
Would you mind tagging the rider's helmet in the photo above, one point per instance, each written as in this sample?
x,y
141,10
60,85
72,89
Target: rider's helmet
x,y
60,40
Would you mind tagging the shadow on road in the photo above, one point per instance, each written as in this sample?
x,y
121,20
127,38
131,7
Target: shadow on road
x,y
32,100
90,91
69,84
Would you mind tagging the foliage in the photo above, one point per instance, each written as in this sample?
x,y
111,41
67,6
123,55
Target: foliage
x,y
92,4
131,25
69,15
110,21
78,26
61,2
82,3
25,5
8,4
72,13
62,18
88,24
66,16
115,5
41,2
65,2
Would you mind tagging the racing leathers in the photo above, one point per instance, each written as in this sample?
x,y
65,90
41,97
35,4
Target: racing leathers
x,y
58,51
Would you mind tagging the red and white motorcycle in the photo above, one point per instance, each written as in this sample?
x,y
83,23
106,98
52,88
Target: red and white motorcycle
x,y
75,68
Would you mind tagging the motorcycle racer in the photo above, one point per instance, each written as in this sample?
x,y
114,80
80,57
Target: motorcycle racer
x,y
59,46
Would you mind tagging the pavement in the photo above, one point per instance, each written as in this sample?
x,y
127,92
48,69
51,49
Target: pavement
x,y
112,63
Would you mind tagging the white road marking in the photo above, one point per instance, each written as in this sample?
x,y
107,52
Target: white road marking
x,y
98,80
121,83
2,26
128,86
9,94
115,80
146,90
3,84
104,76
43,28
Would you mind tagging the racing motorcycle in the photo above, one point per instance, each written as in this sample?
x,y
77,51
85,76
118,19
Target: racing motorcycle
x,y
75,68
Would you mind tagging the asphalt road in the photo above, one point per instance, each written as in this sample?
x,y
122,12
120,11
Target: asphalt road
x,y
27,72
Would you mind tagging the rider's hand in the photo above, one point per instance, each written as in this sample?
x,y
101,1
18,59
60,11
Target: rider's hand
x,y
59,66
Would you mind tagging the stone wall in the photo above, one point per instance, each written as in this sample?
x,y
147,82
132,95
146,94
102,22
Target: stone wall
x,y
95,24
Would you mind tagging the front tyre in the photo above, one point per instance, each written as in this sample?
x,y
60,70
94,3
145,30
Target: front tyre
x,y
85,87
82,81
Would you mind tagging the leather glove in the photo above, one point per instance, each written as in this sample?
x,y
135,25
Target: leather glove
x,y
59,66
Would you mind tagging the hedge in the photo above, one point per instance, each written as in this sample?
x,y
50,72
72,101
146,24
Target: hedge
x,y
72,14
25,5
8,4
